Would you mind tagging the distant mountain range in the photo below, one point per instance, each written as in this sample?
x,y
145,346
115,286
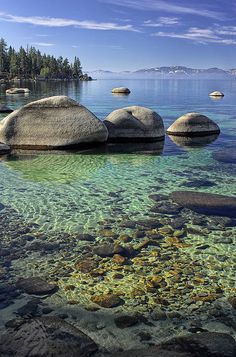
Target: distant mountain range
x,y
166,72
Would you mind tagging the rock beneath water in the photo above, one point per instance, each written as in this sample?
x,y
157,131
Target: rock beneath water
x,y
134,124
4,149
199,183
108,250
193,124
126,321
107,300
206,203
227,155
36,286
121,90
46,336
5,109
216,94
54,122
17,91
205,344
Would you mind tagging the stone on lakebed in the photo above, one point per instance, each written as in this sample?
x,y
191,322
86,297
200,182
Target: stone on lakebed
x,y
17,91
36,286
193,124
206,203
54,122
134,123
216,94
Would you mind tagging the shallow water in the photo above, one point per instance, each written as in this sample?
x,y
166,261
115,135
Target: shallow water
x,y
55,197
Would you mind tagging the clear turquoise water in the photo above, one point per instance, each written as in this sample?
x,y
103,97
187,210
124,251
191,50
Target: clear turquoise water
x,y
83,192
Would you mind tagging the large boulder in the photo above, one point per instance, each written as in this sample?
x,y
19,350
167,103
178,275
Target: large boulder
x,y
52,122
121,90
17,91
206,203
46,336
193,124
134,124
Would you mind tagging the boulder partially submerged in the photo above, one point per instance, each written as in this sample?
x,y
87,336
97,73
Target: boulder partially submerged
x,y
206,203
121,90
17,91
54,122
134,124
216,94
193,124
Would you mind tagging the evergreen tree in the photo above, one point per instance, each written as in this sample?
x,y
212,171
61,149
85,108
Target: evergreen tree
x,y
31,63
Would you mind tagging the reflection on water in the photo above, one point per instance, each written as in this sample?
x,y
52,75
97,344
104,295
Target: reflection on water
x,y
195,141
100,222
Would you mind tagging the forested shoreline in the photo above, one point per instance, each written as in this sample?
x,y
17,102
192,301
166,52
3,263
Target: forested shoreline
x,y
30,63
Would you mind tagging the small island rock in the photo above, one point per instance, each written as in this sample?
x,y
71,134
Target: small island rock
x,y
193,124
17,91
54,122
134,124
216,94
123,90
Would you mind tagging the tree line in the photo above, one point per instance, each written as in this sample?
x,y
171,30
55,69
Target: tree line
x,y
30,63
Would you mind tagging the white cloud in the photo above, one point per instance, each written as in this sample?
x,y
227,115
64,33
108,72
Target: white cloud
x,y
157,5
43,44
61,22
198,35
162,21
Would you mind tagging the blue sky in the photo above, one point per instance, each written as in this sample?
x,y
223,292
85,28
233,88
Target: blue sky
x,y
126,34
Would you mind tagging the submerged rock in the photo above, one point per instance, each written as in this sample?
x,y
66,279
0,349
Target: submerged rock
x,y
46,336
206,203
125,321
5,109
226,155
107,300
51,123
204,344
36,286
134,124
193,124
193,141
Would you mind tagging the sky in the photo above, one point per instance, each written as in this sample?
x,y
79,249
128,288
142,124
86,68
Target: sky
x,y
122,35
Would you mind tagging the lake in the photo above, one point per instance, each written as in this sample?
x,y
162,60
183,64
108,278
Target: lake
x,y
177,268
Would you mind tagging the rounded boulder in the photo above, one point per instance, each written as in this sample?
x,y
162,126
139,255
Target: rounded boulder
x,y
193,124
54,122
121,90
134,124
216,94
17,91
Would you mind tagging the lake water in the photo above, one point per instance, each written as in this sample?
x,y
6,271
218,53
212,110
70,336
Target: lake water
x,y
184,270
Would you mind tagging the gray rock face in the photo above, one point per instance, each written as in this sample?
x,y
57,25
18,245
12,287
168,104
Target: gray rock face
x,y
216,94
36,286
17,91
206,344
193,124
53,122
122,90
206,203
44,337
134,124
5,109
4,149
